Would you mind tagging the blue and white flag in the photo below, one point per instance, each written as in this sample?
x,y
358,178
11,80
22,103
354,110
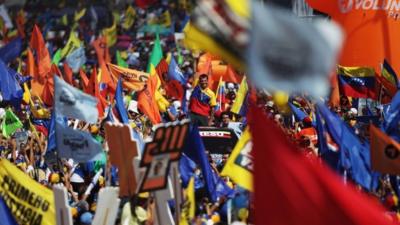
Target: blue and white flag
x,y
72,102
76,59
175,73
75,144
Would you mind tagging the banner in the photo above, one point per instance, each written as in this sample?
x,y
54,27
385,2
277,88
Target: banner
x,y
30,202
78,145
72,102
132,79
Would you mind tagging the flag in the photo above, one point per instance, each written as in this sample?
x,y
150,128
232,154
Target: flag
x,y
75,144
93,89
120,61
384,152
56,57
84,78
189,205
119,104
72,102
217,28
76,59
10,123
11,51
79,14
298,190
354,155
100,46
175,73
391,115
186,169
11,90
165,19
357,82
111,34
147,102
155,56
231,75
72,44
38,44
68,74
132,79
298,113
51,138
306,62
239,166
5,17
389,74
240,105
144,3
5,213
220,107
194,149
129,18
48,92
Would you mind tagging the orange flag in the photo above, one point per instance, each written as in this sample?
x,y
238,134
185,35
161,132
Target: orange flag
x,y
55,70
385,152
38,44
232,76
93,89
31,70
85,80
100,46
68,74
131,79
147,102
47,95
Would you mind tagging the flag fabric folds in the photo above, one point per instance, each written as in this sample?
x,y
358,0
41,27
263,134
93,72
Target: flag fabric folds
x,y
10,88
11,51
389,74
298,190
298,113
306,62
5,213
239,166
10,124
75,144
357,82
38,44
76,59
194,149
354,155
147,101
189,205
119,104
72,102
155,56
240,105
384,152
132,79
175,73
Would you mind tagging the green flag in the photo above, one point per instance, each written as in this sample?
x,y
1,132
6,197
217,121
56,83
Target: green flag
x,y
57,57
156,54
120,61
10,124
180,58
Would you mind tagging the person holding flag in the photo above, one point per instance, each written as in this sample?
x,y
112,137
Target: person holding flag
x,y
202,103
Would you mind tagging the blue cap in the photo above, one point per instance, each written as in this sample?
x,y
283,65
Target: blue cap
x,y
86,218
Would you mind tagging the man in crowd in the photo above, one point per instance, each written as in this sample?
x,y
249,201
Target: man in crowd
x,y
202,103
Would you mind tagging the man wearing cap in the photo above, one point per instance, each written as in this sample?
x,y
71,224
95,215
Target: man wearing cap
x,y
202,103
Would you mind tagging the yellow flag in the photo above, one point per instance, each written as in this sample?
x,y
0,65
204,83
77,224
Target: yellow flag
x,y
130,15
72,44
240,97
162,102
131,79
165,19
79,14
239,166
26,97
28,201
189,206
111,34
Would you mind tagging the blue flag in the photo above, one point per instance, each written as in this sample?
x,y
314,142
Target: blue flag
x,y
329,156
354,155
9,86
119,104
392,115
76,59
51,139
76,144
5,214
298,113
175,73
186,169
194,149
11,51
110,116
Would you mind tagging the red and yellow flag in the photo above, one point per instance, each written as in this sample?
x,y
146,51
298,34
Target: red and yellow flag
x,y
132,79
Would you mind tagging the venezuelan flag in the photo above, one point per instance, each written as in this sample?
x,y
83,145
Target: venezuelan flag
x,y
357,82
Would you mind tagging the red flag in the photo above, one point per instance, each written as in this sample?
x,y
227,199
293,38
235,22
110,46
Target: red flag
x,y
144,3
42,54
93,89
55,70
292,190
147,102
68,74
47,95
232,76
85,80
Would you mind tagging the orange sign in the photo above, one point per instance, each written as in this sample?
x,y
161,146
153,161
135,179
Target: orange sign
x,y
372,30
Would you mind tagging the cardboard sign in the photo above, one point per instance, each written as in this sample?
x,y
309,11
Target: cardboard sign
x,y
122,152
158,154
107,206
63,211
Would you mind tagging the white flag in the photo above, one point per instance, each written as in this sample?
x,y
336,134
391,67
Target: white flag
x,y
75,144
72,102
291,55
